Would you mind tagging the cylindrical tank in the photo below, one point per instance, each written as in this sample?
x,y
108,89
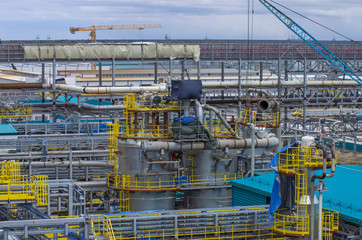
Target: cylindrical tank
x,y
146,171
213,166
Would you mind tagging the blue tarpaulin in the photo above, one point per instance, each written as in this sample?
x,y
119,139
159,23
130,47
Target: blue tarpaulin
x,y
185,120
276,198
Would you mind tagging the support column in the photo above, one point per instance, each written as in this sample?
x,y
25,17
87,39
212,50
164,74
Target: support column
x,y
155,80
239,96
198,70
113,72
70,200
100,73
42,94
279,78
222,78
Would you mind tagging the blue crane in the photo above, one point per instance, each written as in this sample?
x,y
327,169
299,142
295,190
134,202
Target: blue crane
x,y
311,41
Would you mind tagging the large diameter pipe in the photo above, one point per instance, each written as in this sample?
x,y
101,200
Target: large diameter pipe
x,y
269,142
265,105
105,90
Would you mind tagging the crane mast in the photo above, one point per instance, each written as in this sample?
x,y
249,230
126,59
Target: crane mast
x,y
311,41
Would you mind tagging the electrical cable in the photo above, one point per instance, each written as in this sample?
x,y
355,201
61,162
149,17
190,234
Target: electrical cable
x,y
328,28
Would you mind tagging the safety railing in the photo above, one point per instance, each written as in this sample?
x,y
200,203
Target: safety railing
x,y
101,225
218,130
245,231
24,111
40,188
260,119
140,130
108,229
113,145
124,200
170,182
149,102
19,190
296,157
129,182
10,171
215,178
289,225
330,223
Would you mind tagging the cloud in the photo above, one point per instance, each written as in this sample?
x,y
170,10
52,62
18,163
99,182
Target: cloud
x,y
23,19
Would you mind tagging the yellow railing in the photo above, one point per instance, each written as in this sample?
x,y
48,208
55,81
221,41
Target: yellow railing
x,y
263,119
10,171
247,231
21,189
124,201
330,223
218,130
140,131
166,182
113,145
40,188
108,229
297,157
143,103
24,111
289,225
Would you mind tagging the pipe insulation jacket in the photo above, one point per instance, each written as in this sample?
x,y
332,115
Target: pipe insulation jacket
x,y
269,142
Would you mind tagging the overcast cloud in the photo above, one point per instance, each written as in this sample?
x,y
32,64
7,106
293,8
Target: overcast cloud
x,y
185,19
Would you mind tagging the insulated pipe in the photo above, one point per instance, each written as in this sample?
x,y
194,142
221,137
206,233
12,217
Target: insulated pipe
x,y
252,128
199,112
84,106
269,142
66,164
223,120
105,90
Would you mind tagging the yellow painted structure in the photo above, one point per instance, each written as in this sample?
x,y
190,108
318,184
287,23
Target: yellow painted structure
x,y
260,119
24,111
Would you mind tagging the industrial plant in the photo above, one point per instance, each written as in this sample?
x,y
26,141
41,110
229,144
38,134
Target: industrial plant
x,y
180,139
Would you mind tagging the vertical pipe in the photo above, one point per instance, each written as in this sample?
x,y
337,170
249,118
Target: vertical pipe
x,y
54,74
354,146
42,94
198,70
222,77
70,199
113,72
70,162
182,70
252,128
155,79
320,209
279,78
261,72
100,73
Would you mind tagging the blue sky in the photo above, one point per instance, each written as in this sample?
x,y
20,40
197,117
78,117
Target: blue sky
x,y
182,19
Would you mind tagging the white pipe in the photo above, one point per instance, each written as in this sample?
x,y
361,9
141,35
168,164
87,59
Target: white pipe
x,y
269,142
105,90
252,128
208,84
320,209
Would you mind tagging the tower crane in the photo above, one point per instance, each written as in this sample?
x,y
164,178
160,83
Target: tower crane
x,y
95,28
311,41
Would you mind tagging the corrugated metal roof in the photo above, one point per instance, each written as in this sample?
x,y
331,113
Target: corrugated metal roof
x,y
7,129
344,190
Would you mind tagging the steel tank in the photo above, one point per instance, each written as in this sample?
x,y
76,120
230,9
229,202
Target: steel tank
x,y
213,170
147,174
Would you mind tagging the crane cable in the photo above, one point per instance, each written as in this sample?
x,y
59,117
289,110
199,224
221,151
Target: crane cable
x,y
328,28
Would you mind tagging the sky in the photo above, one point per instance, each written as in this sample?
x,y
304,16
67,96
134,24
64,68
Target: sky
x,y
181,19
